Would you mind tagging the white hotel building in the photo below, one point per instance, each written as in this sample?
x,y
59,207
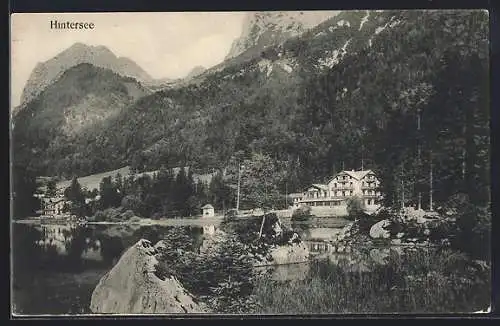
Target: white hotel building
x,y
332,197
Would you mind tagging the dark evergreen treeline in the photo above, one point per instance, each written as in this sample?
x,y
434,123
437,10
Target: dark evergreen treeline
x,y
162,194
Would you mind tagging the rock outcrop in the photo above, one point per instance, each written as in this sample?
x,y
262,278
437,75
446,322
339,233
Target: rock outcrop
x,y
132,287
378,230
262,29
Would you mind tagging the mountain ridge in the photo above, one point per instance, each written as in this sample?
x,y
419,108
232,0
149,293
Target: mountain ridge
x,y
48,71
269,28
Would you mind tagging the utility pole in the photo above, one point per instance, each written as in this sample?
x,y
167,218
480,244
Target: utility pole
x,y
419,152
464,151
402,189
238,191
430,181
362,156
286,194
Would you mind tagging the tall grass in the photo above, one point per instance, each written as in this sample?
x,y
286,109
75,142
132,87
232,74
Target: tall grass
x,y
420,282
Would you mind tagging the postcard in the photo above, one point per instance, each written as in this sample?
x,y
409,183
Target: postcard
x,y
250,163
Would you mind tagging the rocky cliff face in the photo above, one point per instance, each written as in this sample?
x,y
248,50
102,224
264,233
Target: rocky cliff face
x,y
47,72
263,29
195,72
132,287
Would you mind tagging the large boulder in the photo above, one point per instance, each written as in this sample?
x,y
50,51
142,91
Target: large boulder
x,y
132,287
379,231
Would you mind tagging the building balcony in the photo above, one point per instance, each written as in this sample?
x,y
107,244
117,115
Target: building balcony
x,y
313,198
344,188
310,200
372,196
341,197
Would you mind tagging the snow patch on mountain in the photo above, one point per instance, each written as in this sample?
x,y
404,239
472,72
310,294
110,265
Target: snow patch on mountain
x,y
330,60
343,22
379,29
391,23
364,19
320,34
344,47
395,23
286,67
266,66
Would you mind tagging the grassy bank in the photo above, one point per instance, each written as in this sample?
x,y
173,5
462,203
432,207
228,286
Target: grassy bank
x,y
423,282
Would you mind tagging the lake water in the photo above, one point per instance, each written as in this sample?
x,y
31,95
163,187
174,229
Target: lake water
x,y
56,267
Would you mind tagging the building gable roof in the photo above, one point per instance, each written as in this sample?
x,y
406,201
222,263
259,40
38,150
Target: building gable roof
x,y
358,175
207,206
53,200
319,186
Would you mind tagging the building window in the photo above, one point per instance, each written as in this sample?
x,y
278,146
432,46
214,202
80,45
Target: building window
x,y
335,185
343,193
350,192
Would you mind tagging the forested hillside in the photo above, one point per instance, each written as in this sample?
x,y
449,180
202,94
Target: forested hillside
x,y
69,110
397,92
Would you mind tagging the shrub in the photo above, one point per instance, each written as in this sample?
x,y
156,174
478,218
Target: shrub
x,y
132,202
135,219
355,207
224,274
302,213
128,215
230,215
100,216
472,233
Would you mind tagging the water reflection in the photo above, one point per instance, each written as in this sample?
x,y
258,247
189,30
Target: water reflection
x,y
56,267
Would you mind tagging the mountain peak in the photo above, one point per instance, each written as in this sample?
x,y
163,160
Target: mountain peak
x,y
47,72
264,28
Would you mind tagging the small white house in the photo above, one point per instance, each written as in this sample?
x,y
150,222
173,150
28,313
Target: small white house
x,y
208,211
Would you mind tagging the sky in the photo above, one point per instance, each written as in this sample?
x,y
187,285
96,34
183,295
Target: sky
x,y
163,44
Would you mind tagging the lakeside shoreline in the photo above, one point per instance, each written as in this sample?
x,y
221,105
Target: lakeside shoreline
x,y
323,221
143,222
